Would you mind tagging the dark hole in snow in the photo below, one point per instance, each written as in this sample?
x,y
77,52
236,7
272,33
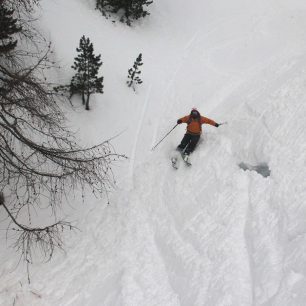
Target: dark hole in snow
x,y
261,168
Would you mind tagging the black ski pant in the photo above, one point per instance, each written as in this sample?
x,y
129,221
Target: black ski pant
x,y
189,142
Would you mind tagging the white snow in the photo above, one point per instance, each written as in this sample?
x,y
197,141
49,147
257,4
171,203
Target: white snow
x,y
212,234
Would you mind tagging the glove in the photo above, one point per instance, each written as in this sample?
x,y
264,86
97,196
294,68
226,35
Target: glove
x,y
217,124
179,121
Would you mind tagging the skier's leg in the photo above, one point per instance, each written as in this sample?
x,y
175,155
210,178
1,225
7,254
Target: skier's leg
x,y
185,141
194,139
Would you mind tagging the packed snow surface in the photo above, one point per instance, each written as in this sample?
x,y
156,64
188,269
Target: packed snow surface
x,y
212,234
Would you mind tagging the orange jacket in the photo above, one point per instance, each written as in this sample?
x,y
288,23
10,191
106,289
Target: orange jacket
x,y
194,126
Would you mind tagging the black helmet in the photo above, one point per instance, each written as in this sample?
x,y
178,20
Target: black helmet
x,y
195,113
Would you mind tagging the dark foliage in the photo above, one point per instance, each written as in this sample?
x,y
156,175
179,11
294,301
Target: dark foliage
x,y
133,76
8,27
128,10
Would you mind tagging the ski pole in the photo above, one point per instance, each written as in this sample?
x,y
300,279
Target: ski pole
x,y
222,123
164,137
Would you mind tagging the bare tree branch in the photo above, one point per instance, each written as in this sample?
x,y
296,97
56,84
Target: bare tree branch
x,y
41,161
45,239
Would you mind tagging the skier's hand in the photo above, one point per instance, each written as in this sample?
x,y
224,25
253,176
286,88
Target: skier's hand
x,y
217,125
179,121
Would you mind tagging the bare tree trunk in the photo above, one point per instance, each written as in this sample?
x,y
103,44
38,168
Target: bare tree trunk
x,y
87,102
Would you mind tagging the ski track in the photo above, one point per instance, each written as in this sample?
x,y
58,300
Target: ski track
x,y
170,108
137,136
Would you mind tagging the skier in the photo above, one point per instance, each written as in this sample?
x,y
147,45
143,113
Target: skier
x,y
193,132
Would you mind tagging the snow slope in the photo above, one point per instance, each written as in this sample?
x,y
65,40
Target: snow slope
x,y
211,234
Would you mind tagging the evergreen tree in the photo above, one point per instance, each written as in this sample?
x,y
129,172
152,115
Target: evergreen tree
x,y
130,9
86,81
8,27
133,76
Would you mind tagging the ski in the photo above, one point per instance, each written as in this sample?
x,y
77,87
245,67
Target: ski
x,y
174,162
175,159
186,160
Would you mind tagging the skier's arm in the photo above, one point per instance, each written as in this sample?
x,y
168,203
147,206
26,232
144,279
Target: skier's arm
x,y
205,120
183,120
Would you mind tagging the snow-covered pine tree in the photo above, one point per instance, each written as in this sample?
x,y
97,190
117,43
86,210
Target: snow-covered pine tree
x,y
133,76
86,81
128,9
8,27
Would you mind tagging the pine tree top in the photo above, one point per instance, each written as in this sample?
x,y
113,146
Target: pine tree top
x,y
86,59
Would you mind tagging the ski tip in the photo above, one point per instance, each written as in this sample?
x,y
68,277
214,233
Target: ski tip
x,y
174,163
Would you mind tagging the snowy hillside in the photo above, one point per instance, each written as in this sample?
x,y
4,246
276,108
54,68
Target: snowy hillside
x,y
212,234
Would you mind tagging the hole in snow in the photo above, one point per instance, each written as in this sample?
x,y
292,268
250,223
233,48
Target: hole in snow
x,y
261,168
